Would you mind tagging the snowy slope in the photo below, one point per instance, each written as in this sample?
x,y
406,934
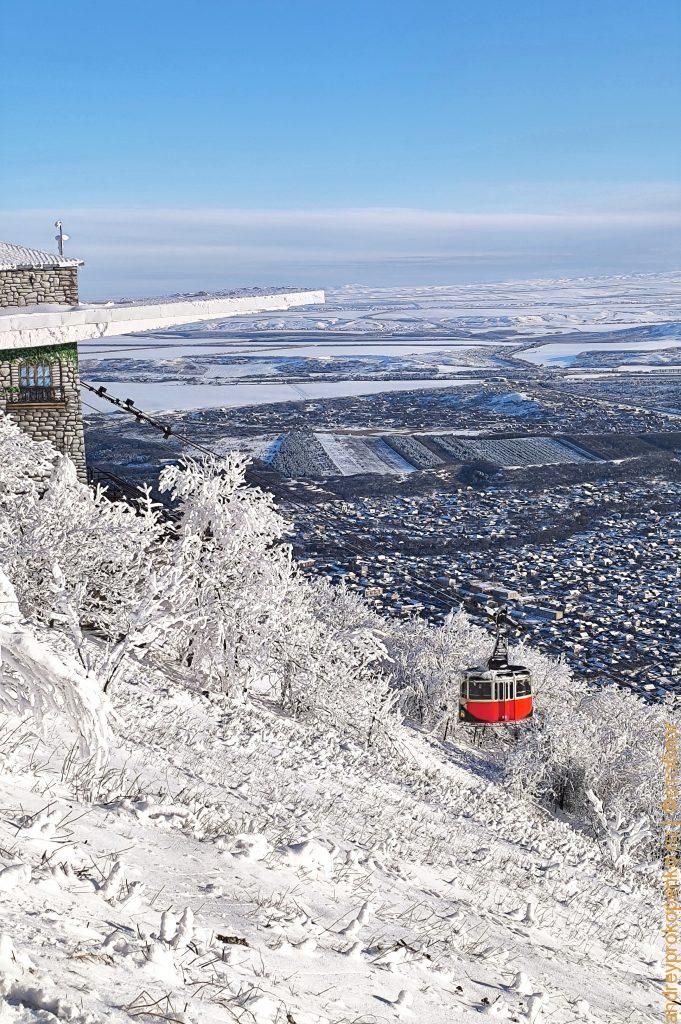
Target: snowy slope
x,y
249,827
233,865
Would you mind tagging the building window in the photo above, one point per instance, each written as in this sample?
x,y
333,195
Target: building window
x,y
34,383
38,375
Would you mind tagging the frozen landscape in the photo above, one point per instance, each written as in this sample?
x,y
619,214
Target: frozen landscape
x,y
433,401
162,397
233,794
420,335
340,513
235,785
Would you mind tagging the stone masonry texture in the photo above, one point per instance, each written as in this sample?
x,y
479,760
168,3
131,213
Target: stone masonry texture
x,y
41,285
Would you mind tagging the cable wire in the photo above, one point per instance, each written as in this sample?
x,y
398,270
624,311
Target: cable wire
x,y
127,405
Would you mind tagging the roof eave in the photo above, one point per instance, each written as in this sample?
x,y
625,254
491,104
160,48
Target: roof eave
x,y
65,265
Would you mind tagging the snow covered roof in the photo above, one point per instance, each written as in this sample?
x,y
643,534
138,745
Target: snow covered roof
x,y
45,324
20,257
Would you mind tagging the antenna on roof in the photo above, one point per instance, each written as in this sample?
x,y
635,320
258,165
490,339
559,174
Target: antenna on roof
x,y
60,236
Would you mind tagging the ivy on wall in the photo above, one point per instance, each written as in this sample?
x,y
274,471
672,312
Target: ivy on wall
x,y
43,354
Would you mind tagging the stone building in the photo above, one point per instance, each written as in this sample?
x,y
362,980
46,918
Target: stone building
x,y
39,384
42,322
31,277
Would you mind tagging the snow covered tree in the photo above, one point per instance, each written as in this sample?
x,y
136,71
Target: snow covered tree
x,y
585,745
235,574
104,549
349,678
427,666
40,682
257,624
24,467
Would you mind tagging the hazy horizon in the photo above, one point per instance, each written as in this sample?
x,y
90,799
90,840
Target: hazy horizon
x,y
145,252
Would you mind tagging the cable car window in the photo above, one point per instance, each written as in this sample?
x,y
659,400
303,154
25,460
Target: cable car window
x,y
480,689
523,687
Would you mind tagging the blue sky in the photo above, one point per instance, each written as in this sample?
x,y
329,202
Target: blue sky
x,y
476,140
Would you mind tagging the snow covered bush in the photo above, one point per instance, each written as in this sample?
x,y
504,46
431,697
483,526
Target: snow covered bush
x,y
352,666
217,592
104,549
24,466
620,837
583,745
236,577
257,624
587,748
36,680
427,663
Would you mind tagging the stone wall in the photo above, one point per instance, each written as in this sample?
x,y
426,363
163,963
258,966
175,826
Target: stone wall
x,y
59,422
32,287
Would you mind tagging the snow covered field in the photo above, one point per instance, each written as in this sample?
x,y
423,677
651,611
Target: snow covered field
x,y
236,866
524,308
362,455
513,453
564,353
387,332
401,453
318,349
159,397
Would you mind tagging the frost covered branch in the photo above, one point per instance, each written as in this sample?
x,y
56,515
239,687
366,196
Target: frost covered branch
x,y
35,679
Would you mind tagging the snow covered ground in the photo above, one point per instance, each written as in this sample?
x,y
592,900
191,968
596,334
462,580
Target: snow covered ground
x,y
641,368
134,348
362,455
564,353
233,865
361,332
515,452
397,454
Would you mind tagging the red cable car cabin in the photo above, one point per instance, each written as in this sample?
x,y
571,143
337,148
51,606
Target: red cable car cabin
x,y
499,692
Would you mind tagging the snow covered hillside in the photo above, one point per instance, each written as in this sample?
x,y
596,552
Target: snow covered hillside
x,y
230,794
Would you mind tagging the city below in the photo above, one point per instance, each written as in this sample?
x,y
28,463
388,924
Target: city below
x,y
441,449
